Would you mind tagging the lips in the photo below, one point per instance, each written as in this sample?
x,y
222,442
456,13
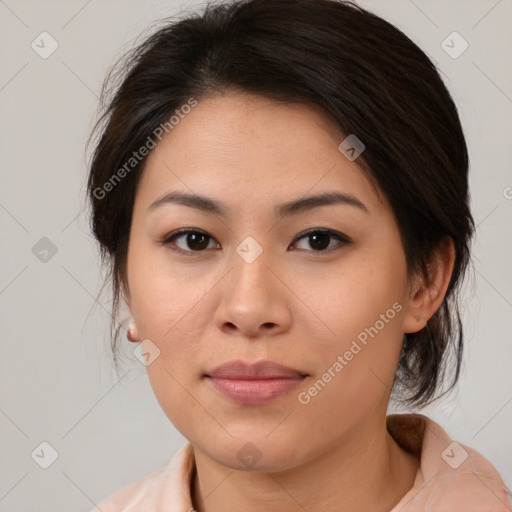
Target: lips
x,y
254,384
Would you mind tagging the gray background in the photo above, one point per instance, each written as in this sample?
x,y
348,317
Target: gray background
x,y
57,380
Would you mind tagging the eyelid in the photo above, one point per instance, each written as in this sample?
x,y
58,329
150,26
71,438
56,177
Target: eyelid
x,y
326,231
341,237
184,231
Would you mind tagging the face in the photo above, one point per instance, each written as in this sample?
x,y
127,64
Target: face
x,y
278,299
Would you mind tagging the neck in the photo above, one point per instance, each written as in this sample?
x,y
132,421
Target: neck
x,y
368,471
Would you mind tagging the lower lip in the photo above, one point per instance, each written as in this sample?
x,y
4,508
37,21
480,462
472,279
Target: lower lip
x,y
255,391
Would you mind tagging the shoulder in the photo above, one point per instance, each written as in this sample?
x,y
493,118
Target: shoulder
x,y
132,493
169,484
452,477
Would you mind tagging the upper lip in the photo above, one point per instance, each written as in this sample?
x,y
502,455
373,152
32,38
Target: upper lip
x,y
254,371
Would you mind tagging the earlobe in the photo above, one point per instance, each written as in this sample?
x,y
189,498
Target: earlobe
x,y
428,293
133,333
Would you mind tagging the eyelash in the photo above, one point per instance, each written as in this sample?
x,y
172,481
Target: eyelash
x,y
343,239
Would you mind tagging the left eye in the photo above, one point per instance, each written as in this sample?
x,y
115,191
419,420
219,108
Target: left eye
x,y
322,240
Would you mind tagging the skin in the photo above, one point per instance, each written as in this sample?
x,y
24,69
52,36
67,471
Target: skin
x,y
294,305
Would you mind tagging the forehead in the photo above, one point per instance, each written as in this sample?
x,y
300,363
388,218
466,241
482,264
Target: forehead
x,y
239,146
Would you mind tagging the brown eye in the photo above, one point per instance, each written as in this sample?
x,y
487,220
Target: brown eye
x,y
322,240
190,241
197,241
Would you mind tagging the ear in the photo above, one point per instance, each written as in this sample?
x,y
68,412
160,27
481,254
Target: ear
x,y
427,293
133,332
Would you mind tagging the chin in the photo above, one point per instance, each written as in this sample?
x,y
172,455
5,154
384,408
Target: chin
x,y
254,452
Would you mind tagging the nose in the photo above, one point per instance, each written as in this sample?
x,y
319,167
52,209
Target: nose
x,y
254,302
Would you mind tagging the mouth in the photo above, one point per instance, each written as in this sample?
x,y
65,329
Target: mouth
x,y
254,384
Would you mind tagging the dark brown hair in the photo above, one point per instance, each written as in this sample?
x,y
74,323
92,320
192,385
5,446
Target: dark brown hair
x,y
363,73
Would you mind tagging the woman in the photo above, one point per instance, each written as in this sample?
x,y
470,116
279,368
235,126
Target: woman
x,y
280,190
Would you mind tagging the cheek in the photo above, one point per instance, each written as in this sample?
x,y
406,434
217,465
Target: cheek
x,y
163,299
169,308
356,369
345,299
362,305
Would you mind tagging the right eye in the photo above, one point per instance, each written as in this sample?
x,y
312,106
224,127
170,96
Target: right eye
x,y
190,241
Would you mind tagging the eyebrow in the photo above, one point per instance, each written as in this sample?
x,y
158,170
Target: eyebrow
x,y
303,204
315,201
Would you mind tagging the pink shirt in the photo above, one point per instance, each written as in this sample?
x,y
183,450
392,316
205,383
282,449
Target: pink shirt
x,y
451,477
